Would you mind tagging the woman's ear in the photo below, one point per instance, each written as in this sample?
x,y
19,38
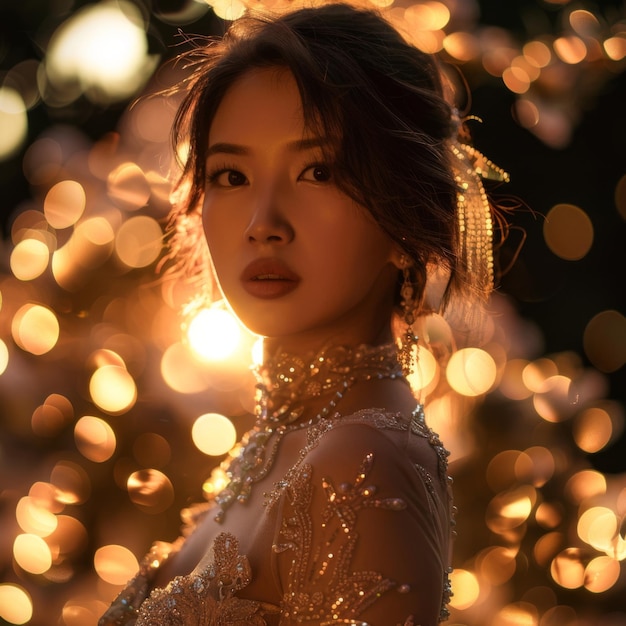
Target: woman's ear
x,y
400,259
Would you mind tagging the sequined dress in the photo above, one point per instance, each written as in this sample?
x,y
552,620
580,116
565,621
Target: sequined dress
x,y
352,525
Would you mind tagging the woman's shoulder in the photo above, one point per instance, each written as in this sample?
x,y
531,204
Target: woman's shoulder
x,y
393,439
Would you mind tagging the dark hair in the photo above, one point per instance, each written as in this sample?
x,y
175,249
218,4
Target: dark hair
x,y
379,100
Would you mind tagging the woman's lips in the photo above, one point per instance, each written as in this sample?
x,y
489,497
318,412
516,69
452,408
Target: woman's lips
x,y
269,278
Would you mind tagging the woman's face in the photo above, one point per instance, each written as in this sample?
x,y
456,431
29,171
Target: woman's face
x,y
296,258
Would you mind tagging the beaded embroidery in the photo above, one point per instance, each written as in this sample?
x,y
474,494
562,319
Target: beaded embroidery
x,y
322,587
285,384
209,597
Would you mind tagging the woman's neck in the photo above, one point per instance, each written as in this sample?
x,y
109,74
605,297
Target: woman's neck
x,y
306,346
295,389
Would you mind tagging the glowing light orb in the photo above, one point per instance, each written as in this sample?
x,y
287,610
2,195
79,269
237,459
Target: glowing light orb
x,y
213,334
180,370
568,232
471,371
430,15
128,186
552,401
32,553
115,564
35,329
571,50
567,569
466,589
16,606
34,519
497,564
113,389
213,434
64,204
228,9
425,371
94,438
13,121
139,241
103,46
72,482
151,490
604,340
593,429
585,484
615,48
598,526
29,259
517,614
4,357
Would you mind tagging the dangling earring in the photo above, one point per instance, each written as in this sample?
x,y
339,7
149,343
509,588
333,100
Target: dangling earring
x,y
407,342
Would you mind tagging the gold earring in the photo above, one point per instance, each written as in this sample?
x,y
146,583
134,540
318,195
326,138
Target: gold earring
x,y
407,342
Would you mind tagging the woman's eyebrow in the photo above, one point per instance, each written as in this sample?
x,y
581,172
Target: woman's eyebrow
x,y
307,143
227,148
299,145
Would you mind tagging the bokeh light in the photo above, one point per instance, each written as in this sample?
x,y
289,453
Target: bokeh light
x,y
29,259
34,518
213,434
151,490
94,438
4,357
180,370
568,232
471,371
49,418
16,606
601,574
139,241
593,429
568,569
72,483
32,553
466,589
64,204
35,328
427,371
113,389
585,484
101,49
213,333
128,187
604,340
115,564
228,9
13,122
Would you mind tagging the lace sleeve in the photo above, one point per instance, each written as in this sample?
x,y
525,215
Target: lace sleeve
x,y
363,534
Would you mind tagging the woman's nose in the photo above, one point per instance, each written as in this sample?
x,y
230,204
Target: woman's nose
x,y
269,222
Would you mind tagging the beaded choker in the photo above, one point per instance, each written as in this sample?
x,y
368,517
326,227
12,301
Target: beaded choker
x,y
286,385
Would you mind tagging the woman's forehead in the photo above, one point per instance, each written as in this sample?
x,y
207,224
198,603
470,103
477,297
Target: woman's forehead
x,y
263,105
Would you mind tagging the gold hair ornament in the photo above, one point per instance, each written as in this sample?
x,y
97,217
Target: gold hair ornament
x,y
475,226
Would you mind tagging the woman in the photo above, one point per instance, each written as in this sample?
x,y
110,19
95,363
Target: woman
x,y
324,162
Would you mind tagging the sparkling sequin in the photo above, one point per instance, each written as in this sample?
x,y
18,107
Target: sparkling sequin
x,y
322,585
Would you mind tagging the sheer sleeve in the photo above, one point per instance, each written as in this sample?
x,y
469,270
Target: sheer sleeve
x,y
363,531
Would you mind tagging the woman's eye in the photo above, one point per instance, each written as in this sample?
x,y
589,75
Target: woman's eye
x,y
316,173
228,178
